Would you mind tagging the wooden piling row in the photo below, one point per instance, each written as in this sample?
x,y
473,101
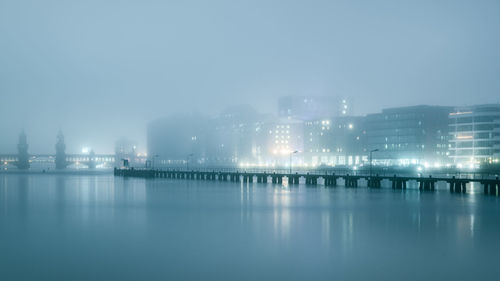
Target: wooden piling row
x,y
491,186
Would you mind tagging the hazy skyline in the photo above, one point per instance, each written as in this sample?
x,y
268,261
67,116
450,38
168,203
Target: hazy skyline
x,y
100,70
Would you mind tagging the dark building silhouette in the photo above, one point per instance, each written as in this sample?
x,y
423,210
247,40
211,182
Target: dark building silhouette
x,y
409,135
22,152
171,140
60,161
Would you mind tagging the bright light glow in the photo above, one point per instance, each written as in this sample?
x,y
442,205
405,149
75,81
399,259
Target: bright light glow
x,y
460,113
350,126
85,150
419,168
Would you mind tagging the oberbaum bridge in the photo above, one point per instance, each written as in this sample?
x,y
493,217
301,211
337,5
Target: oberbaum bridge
x,y
23,160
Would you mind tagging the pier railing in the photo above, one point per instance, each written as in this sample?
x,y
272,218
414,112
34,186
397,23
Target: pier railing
x,y
455,184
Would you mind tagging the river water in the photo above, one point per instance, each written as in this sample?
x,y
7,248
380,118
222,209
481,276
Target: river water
x,y
100,227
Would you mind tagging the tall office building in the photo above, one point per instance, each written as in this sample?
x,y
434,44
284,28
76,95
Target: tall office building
x,y
475,134
409,135
335,141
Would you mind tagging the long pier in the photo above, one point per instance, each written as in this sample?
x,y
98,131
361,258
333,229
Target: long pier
x,y
459,185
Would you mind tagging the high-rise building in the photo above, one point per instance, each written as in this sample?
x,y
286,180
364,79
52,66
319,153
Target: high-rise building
x,y
284,137
335,141
409,135
177,139
475,134
235,136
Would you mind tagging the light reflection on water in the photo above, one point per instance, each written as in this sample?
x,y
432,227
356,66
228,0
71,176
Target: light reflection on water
x,y
106,228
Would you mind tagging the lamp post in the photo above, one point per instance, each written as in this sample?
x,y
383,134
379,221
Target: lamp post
x,y
292,153
187,161
371,151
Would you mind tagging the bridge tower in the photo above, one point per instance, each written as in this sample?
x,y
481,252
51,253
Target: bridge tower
x,y
92,160
23,158
61,162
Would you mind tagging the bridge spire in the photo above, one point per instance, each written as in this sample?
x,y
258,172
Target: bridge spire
x,y
92,160
61,162
22,152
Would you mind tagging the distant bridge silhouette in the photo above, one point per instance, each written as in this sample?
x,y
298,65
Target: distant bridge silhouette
x,y
88,160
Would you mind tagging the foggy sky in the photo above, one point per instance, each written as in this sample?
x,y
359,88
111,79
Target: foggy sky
x,y
101,69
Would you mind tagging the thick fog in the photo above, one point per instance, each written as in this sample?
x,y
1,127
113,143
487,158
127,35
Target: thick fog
x,y
102,69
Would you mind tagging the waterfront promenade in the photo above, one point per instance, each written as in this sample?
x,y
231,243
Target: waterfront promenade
x,y
455,184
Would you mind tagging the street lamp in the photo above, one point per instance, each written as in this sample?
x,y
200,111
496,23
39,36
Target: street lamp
x,y
371,151
187,161
292,153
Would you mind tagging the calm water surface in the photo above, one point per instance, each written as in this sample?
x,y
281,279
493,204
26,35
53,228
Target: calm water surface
x,y
70,227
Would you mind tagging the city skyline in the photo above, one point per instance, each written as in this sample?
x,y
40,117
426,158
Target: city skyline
x,y
320,129
80,146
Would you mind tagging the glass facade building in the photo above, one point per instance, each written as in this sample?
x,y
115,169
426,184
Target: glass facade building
x,y
475,134
409,135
